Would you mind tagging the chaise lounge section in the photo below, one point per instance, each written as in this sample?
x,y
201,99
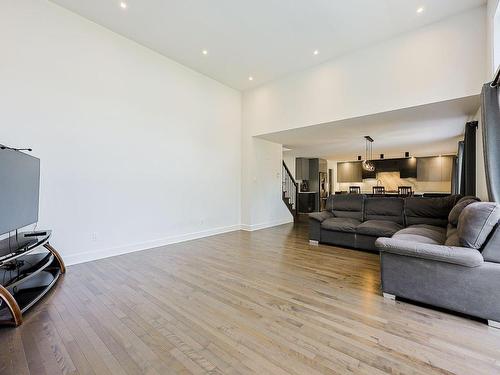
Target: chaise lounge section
x,y
457,268
439,251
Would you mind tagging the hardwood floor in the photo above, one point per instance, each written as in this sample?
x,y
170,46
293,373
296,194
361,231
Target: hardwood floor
x,y
240,303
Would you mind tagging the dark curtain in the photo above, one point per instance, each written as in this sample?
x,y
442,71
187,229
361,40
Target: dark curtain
x,y
460,163
468,178
490,111
454,176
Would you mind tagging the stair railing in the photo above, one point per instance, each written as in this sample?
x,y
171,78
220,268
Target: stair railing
x,y
290,191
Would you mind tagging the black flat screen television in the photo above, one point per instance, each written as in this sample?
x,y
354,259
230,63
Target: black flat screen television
x,y
19,190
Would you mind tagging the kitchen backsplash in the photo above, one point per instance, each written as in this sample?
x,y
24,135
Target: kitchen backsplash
x,y
391,181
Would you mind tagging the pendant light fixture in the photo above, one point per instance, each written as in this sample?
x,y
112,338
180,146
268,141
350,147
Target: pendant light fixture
x,y
367,164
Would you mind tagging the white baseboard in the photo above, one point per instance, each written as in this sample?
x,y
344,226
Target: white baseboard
x,y
88,256
253,227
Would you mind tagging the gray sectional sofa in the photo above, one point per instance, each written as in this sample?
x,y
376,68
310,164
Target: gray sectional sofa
x,y
439,251
356,221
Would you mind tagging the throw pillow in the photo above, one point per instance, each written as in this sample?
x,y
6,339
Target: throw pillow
x,y
458,208
476,222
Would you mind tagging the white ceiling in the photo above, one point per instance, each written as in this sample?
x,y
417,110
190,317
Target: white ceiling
x,y
265,39
430,129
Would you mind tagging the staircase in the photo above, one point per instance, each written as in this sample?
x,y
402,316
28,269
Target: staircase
x,y
290,190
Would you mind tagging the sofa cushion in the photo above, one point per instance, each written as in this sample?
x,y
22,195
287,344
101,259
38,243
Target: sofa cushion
x,y
476,223
346,205
378,228
461,256
384,208
458,208
432,211
320,216
340,224
422,233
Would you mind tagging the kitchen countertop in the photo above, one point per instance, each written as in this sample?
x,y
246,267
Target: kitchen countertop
x,y
415,192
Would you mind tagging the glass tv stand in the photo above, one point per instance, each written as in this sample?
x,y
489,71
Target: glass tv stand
x,y
29,267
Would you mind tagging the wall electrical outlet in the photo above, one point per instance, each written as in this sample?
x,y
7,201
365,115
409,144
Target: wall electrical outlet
x,y
93,236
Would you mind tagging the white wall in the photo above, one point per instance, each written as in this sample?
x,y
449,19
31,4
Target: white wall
x,y
135,148
443,61
262,186
492,37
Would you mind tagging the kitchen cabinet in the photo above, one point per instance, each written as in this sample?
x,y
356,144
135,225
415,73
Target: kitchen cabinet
x,y
434,169
446,168
302,169
408,168
349,172
314,175
308,169
307,202
365,175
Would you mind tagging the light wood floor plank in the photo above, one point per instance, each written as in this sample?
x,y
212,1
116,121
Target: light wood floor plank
x,y
241,303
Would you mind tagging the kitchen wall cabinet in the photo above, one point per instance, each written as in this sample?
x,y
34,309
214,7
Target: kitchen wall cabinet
x,y
408,168
349,172
366,175
436,168
446,168
302,169
308,169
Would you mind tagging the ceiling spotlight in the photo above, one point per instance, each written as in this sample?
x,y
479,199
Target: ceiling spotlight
x,y
420,10
316,52
123,5
250,78
205,52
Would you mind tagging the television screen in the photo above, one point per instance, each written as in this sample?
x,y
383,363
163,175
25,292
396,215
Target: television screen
x,y
19,188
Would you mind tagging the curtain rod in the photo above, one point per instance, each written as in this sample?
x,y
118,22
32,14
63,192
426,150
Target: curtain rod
x,y
496,80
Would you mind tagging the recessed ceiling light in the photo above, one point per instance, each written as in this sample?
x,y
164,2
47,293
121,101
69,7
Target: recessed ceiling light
x,y
123,5
205,52
250,78
420,10
315,52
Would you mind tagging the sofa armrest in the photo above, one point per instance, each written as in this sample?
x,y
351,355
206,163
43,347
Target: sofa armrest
x,y
321,216
462,256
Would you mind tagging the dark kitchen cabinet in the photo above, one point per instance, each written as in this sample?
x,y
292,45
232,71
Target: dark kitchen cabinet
x,y
307,202
368,174
408,168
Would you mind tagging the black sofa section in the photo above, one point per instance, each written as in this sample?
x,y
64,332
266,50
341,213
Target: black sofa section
x,y
356,221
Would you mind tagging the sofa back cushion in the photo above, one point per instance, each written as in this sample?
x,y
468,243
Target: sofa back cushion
x,y
432,211
458,208
491,249
389,209
346,205
476,222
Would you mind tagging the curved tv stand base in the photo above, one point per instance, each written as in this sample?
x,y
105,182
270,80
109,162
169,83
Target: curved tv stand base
x,y
35,274
17,316
56,255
